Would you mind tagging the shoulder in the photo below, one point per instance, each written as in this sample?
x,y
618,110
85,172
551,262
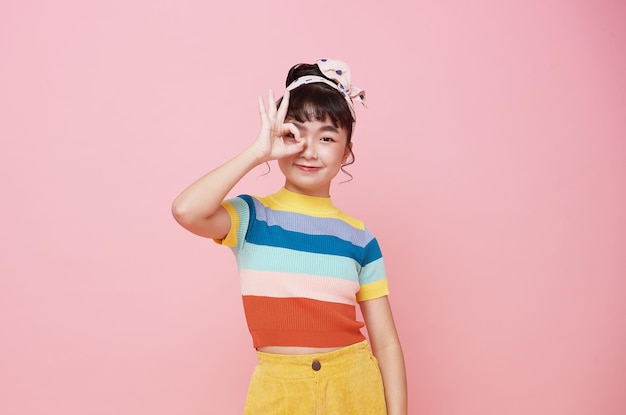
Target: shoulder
x,y
356,223
242,199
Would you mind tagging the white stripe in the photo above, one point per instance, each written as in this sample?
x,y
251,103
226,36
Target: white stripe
x,y
287,285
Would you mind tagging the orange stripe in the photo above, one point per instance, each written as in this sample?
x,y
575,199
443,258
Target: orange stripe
x,y
301,322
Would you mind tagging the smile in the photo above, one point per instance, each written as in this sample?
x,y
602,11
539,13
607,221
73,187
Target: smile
x,y
307,168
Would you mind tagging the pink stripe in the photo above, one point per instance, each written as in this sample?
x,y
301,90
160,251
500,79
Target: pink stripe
x,y
286,285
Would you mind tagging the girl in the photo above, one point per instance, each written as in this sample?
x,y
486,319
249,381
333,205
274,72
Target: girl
x,y
303,264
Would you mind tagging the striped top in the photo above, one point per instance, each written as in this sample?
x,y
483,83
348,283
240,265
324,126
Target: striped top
x,y
303,266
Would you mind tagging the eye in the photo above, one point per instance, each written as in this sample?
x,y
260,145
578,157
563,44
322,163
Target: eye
x,y
327,139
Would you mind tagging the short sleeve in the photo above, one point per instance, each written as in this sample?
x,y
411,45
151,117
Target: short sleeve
x,y
372,276
239,213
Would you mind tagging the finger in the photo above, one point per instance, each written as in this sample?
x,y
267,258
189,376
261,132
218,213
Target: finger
x,y
262,111
291,128
284,106
261,106
297,144
271,112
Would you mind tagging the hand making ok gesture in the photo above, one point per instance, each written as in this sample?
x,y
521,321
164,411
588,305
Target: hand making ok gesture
x,y
276,138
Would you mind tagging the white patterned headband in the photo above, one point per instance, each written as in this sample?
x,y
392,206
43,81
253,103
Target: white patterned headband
x,y
337,71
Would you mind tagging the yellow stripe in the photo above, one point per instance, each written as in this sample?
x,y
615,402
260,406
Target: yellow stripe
x,y
231,238
373,290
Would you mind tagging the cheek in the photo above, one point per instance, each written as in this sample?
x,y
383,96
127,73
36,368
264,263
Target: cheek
x,y
336,157
343,154
282,163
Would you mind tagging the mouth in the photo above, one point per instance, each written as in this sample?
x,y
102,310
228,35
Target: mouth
x,y
305,167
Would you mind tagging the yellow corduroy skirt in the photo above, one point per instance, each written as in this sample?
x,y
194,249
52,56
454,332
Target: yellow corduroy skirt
x,y
345,381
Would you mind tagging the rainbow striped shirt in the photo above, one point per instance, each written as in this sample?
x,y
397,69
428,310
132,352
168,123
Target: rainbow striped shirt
x,y
303,266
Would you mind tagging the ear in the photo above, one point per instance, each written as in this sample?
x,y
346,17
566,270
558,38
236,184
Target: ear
x,y
347,152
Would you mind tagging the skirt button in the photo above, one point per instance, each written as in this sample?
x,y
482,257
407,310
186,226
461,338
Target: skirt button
x,y
316,365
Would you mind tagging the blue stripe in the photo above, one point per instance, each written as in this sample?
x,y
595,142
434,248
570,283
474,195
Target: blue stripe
x,y
312,225
372,252
372,272
269,258
260,233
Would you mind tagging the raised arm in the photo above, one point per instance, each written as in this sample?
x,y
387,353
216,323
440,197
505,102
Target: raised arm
x,y
198,207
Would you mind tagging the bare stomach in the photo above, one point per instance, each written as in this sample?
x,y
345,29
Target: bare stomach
x,y
295,349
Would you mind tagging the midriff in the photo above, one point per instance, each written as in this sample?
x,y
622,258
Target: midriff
x,y
295,349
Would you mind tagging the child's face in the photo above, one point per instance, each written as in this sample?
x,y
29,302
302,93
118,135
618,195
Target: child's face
x,y
311,171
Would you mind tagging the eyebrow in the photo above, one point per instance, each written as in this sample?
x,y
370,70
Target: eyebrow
x,y
327,127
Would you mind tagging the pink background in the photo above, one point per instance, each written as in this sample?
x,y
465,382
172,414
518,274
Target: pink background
x,y
494,151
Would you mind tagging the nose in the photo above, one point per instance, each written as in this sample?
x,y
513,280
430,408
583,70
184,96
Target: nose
x,y
308,151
